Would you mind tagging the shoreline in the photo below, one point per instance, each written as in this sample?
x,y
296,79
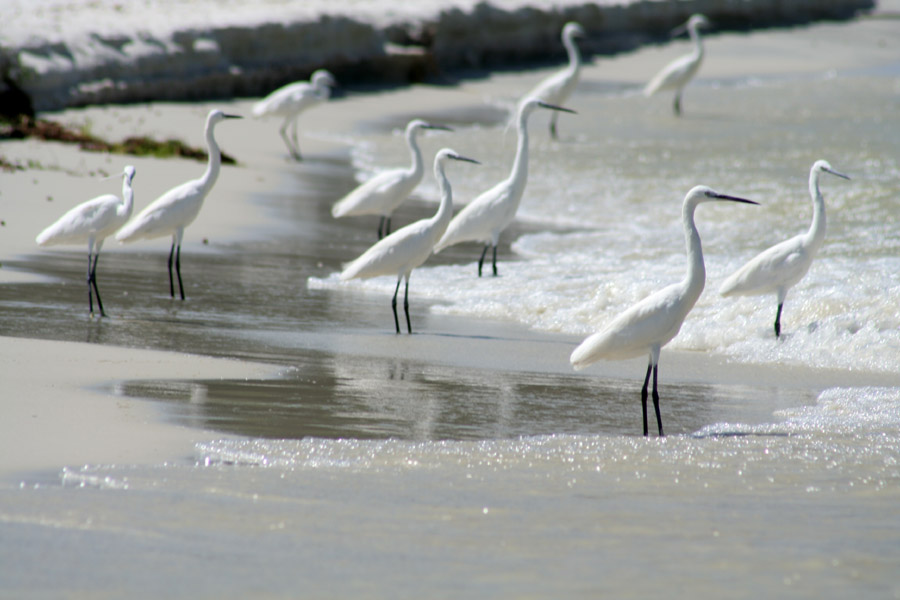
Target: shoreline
x,y
138,57
46,407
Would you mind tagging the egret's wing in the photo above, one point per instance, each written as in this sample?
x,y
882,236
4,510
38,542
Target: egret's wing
x,y
783,263
176,208
477,220
380,194
283,100
94,217
403,250
672,75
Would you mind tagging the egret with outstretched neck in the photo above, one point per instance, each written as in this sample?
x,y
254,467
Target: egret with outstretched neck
x,y
292,99
780,267
92,222
385,192
557,88
410,246
176,209
483,219
680,71
653,322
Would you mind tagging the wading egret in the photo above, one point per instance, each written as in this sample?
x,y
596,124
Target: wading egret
x,y
92,222
557,88
292,99
408,247
385,192
654,321
777,269
176,209
486,216
680,71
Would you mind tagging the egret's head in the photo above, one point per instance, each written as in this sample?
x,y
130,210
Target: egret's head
x,y
822,166
216,115
693,24
417,124
573,30
128,173
532,103
701,193
449,154
323,77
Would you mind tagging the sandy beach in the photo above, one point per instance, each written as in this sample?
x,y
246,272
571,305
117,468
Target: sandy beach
x,y
123,390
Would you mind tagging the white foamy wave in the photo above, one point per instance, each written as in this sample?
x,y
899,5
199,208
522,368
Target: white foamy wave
x,y
840,411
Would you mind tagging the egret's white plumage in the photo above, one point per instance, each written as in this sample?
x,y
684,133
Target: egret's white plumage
x,y
408,247
653,322
557,88
92,222
780,267
292,99
680,71
176,209
385,192
483,219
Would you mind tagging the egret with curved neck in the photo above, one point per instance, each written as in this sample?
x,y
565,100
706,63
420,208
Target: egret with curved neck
x,y
410,246
781,266
176,209
677,74
557,88
483,219
92,222
653,322
385,192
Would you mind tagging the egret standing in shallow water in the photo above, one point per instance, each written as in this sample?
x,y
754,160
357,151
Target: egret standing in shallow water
x,y
680,71
777,269
291,100
557,88
408,247
92,222
654,321
483,219
176,209
383,193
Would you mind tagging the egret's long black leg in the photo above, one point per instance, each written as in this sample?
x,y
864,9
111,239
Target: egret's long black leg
x,y
381,227
494,261
644,396
171,281
553,118
656,401
406,305
92,278
178,270
481,260
778,320
394,306
89,278
677,105
387,229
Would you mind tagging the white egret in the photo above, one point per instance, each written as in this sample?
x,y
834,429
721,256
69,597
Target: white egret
x,y
654,321
483,219
777,269
176,209
92,222
385,192
557,88
408,247
292,99
680,71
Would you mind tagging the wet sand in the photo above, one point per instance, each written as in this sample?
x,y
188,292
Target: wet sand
x,y
298,361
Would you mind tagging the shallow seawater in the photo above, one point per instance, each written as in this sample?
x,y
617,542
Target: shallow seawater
x,y
376,466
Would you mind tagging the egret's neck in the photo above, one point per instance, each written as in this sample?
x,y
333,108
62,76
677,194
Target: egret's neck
x,y
215,159
573,52
417,167
695,278
519,174
816,234
441,219
698,42
127,199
